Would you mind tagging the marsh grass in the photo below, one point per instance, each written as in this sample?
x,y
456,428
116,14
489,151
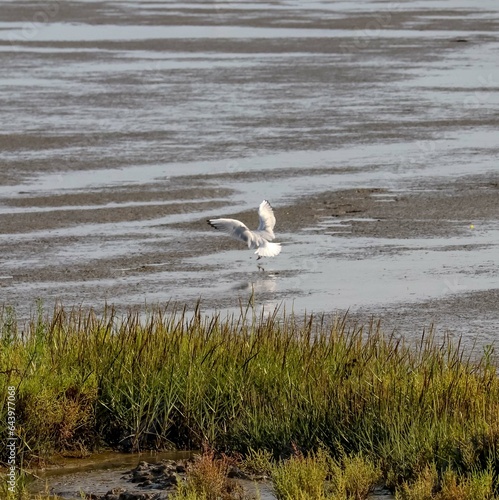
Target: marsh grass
x,y
207,479
168,379
301,477
353,477
318,476
477,485
258,462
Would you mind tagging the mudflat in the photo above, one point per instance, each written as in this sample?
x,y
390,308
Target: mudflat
x,y
374,134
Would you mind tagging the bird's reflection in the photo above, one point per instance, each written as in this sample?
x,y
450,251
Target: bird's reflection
x,y
263,282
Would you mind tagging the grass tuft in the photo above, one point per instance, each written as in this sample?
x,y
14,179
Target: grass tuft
x,y
207,479
301,477
258,462
320,477
478,485
354,477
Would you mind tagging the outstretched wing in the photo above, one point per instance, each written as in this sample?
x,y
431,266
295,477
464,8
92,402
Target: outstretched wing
x,y
232,227
267,221
236,229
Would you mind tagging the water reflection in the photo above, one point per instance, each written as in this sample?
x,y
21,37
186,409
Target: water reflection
x,y
263,283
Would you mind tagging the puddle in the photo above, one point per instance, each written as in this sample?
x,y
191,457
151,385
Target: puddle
x,y
105,471
68,32
97,474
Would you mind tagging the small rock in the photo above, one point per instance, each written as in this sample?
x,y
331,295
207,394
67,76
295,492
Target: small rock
x,y
140,476
154,486
160,469
181,469
128,495
114,494
170,481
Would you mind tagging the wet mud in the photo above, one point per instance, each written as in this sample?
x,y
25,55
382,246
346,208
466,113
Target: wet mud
x,y
372,129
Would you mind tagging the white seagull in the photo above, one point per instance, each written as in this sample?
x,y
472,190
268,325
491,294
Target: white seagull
x,y
259,239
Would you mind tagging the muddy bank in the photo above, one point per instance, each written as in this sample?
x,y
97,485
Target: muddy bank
x,y
372,132
156,476
152,480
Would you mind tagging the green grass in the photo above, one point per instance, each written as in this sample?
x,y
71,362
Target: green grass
x,y
301,477
476,485
320,477
164,379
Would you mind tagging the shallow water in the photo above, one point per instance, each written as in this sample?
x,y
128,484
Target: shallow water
x,y
126,124
97,474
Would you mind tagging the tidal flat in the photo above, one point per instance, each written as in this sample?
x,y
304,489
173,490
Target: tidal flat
x,y
370,127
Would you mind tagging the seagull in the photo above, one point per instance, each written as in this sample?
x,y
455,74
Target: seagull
x,y
259,239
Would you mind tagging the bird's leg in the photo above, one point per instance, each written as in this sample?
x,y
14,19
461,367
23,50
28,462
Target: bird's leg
x,y
260,267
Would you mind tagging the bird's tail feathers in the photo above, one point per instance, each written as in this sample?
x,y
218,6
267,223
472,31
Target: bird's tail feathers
x,y
269,249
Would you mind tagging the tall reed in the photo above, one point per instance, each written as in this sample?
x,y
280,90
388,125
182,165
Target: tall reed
x,y
164,378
